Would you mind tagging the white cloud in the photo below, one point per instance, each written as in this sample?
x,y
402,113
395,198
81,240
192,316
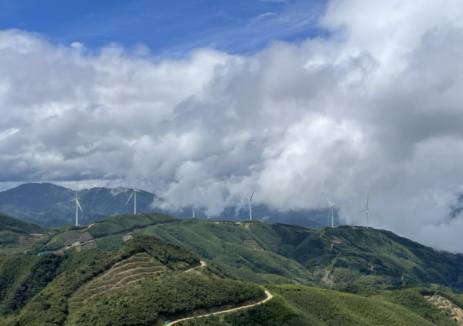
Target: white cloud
x,y
375,108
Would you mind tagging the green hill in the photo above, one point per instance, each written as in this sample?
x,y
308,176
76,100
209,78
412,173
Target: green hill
x,y
303,306
143,282
8,223
17,235
144,269
338,258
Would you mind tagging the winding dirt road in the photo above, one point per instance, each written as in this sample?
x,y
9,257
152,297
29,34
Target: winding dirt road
x,y
269,296
203,264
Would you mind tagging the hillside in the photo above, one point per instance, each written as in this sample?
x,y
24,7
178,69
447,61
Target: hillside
x,y
50,205
143,282
144,269
303,306
337,258
8,223
17,235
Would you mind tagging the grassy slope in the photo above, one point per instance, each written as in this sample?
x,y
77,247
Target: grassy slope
x,y
299,306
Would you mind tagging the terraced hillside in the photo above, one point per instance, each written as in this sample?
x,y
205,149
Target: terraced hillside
x,y
143,282
449,308
121,274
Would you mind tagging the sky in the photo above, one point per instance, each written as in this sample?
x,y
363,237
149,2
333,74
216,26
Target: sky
x,y
203,102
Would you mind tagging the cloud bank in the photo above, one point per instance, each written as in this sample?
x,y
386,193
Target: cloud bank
x,y
374,108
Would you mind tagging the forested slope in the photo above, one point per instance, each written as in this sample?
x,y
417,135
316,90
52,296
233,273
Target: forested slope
x,y
303,306
142,282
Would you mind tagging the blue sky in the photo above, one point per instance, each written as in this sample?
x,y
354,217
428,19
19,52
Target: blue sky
x,y
168,28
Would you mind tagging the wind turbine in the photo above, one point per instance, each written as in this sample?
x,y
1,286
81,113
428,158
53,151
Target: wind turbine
x,y
368,212
77,208
194,203
250,204
134,194
331,212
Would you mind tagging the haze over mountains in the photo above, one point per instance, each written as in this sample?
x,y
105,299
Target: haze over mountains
x,y
50,205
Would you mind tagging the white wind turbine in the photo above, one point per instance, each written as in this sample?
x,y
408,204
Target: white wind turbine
x,y
134,194
250,204
331,212
368,212
194,203
77,208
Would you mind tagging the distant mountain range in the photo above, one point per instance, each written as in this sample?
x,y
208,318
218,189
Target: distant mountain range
x,y
52,206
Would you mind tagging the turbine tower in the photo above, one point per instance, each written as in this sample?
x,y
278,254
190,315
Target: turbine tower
x,y
194,202
134,194
331,212
250,204
77,208
368,212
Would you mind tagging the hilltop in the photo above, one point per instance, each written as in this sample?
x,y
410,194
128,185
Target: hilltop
x,y
50,205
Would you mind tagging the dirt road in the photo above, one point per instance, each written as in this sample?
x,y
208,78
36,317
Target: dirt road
x,y
269,296
203,264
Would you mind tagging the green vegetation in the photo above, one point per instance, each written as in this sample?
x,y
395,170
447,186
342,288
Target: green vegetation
x,y
8,223
22,277
166,297
300,306
137,275
17,236
128,222
138,283
110,242
341,258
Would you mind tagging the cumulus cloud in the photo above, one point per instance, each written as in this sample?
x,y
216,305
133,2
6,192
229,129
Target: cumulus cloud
x,y
373,108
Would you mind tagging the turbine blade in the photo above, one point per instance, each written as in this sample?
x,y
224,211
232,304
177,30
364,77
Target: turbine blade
x,y
78,204
328,201
363,210
129,199
250,198
367,200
